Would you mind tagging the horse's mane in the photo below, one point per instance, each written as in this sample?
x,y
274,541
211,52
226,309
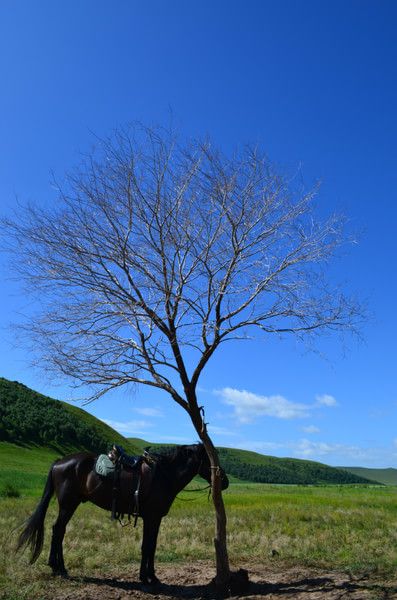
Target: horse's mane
x,y
168,454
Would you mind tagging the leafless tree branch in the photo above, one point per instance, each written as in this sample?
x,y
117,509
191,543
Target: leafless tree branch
x,y
151,248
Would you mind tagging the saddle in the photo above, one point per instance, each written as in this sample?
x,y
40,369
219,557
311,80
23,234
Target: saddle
x,y
118,455
111,465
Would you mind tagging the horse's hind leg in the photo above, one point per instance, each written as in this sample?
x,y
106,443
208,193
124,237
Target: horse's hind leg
x,y
58,532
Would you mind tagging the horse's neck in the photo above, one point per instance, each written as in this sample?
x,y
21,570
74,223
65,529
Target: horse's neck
x,y
184,473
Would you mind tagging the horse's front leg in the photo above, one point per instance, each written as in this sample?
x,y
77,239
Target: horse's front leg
x,y
150,532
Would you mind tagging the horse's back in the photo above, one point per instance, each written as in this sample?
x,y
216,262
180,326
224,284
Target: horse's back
x,y
71,473
78,464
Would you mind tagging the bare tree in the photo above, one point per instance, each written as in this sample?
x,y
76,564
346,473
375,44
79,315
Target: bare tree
x,y
154,255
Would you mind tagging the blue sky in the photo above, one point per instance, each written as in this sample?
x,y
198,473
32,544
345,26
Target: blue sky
x,y
315,83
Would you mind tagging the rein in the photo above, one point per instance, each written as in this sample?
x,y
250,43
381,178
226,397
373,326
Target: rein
x,y
202,489
198,489
178,497
209,486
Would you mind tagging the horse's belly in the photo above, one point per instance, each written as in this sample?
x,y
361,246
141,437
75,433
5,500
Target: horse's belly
x,y
100,491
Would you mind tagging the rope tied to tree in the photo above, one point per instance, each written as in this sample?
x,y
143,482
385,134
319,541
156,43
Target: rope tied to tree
x,y
217,471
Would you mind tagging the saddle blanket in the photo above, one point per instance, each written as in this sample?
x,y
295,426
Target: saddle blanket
x,y
104,465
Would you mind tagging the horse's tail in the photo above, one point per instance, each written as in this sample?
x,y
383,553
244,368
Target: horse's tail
x,y
33,532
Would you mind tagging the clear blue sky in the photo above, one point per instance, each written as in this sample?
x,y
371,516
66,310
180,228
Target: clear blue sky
x,y
315,83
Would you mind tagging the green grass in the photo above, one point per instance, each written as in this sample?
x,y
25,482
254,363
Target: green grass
x,y
350,528
346,528
25,467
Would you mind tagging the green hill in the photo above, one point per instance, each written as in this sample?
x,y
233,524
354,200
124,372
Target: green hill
x,y
385,476
256,467
28,418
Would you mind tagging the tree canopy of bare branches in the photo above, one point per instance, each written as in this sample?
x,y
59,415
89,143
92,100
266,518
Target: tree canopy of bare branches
x,y
155,253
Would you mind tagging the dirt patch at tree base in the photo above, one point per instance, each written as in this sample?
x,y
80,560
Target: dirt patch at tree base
x,y
192,582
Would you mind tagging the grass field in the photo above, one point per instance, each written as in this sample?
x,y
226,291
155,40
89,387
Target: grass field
x,y
24,469
351,529
346,528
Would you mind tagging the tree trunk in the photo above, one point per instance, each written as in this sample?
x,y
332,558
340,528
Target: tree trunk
x,y
222,559
225,581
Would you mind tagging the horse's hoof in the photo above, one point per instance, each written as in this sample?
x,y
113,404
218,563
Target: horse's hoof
x,y
60,573
150,580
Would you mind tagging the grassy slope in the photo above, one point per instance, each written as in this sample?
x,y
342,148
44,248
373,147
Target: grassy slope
x,y
385,476
24,463
24,468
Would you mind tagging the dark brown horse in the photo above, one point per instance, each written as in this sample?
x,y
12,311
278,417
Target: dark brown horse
x,y
74,480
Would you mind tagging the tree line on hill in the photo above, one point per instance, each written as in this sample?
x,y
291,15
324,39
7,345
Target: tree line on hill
x,y
291,471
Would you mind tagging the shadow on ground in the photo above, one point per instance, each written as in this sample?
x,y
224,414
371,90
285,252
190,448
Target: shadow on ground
x,y
312,588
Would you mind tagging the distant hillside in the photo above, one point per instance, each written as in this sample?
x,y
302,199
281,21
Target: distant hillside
x,y
29,418
385,476
269,469
255,467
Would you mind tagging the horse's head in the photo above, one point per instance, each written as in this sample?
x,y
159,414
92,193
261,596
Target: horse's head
x,y
204,469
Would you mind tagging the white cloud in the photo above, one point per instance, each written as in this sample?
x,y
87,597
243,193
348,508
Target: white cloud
x,y
129,427
326,400
308,449
148,412
248,406
329,453
343,454
311,429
